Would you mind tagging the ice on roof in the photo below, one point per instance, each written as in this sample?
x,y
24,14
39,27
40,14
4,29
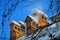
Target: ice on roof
x,y
35,20
15,23
39,12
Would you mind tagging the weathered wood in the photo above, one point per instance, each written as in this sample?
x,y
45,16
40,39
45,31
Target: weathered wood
x,y
12,35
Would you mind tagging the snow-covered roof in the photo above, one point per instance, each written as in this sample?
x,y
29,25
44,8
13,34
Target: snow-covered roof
x,y
52,25
34,19
22,22
39,12
15,23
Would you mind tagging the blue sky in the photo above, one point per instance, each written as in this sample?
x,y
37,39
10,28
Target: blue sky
x,y
21,12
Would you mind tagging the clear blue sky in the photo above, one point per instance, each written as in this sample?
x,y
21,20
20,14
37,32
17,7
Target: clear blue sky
x,y
20,13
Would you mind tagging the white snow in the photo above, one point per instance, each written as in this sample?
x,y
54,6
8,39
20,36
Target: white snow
x,y
21,38
22,22
58,25
52,25
44,38
36,16
46,32
49,21
35,20
39,12
15,22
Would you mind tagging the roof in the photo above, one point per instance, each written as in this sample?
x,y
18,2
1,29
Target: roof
x,y
39,12
22,22
15,23
35,20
